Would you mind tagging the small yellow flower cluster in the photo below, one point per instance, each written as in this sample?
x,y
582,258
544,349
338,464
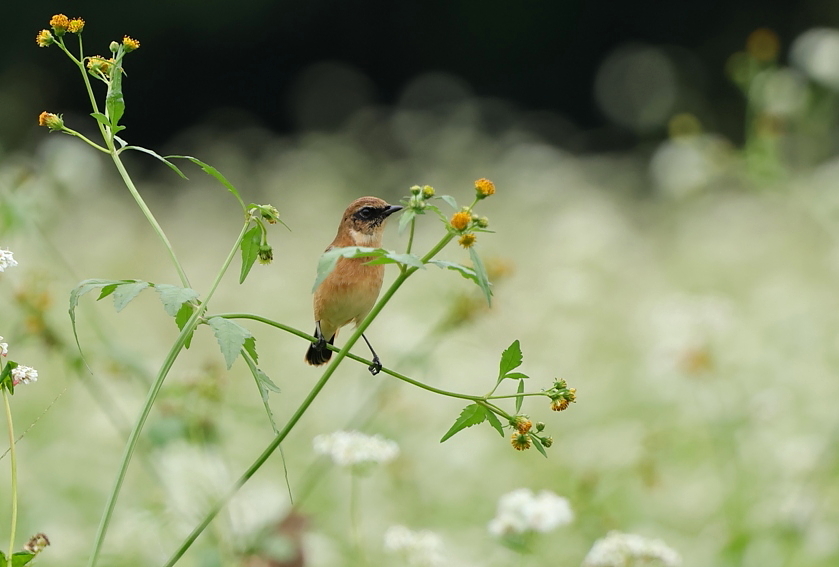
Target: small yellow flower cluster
x,y
99,64
60,25
467,240
484,188
130,44
461,220
561,395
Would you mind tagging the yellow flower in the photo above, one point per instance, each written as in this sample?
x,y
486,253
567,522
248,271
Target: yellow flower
x,y
59,23
50,120
520,441
763,45
522,424
76,25
427,192
467,240
44,38
100,64
130,43
484,188
461,220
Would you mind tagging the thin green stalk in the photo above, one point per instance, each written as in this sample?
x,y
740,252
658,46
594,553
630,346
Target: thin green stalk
x,y
411,236
174,351
13,459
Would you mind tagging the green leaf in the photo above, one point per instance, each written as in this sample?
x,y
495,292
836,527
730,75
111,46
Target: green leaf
x,y
114,101
511,359
480,272
123,294
330,258
101,118
395,258
467,273
250,348
406,218
181,319
250,250
538,445
264,384
210,170
6,379
21,558
107,290
173,297
495,423
230,336
154,154
473,414
519,399
516,376
450,200
84,287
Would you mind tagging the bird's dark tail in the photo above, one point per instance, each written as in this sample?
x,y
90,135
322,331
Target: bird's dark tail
x,y
318,352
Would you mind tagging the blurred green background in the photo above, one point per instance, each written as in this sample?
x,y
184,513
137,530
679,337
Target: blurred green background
x,y
666,241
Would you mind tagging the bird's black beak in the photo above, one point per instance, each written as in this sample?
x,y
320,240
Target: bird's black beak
x,y
392,209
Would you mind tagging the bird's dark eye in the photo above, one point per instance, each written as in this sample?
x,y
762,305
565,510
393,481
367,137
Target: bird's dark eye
x,y
365,213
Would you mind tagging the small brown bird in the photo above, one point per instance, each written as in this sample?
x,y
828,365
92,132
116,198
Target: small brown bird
x,y
349,292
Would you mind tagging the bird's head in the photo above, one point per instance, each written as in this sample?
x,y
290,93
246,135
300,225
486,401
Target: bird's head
x,y
364,220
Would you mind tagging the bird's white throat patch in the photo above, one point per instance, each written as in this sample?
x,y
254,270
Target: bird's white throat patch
x,y
363,239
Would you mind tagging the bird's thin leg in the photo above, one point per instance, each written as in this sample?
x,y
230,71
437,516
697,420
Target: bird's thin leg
x,y
376,367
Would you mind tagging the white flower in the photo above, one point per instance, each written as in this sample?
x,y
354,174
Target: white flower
x,y
6,260
348,448
816,52
420,549
24,374
4,347
622,550
522,511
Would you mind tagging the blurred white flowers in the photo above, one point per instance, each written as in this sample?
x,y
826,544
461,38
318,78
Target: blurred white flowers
x,y
4,347
347,448
816,52
522,511
24,375
419,548
624,550
6,260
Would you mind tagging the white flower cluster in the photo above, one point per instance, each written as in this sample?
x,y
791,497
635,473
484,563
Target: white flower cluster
x,y
4,347
6,260
523,511
419,548
24,374
347,448
623,550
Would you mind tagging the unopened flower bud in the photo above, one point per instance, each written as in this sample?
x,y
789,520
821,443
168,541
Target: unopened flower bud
x,y
270,213
427,192
540,426
51,121
416,190
482,222
547,441
113,47
266,254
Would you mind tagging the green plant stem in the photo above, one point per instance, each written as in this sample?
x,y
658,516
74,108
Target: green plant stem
x,y
131,444
304,406
83,138
13,459
411,236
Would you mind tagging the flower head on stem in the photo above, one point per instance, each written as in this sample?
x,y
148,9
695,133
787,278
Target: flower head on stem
x,y
6,260
44,38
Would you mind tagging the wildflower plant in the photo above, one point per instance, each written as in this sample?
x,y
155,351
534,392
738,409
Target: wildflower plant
x,y
190,308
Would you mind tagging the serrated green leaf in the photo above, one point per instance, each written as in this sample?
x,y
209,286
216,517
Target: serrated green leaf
x,y
250,348
516,376
124,293
181,319
264,384
405,219
106,291
538,445
173,297
212,171
495,423
437,210
473,414
480,272
519,399
230,336
84,287
330,258
264,380
156,155
467,273
450,200
250,251
511,359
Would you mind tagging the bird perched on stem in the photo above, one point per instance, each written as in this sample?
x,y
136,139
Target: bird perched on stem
x,y
349,292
